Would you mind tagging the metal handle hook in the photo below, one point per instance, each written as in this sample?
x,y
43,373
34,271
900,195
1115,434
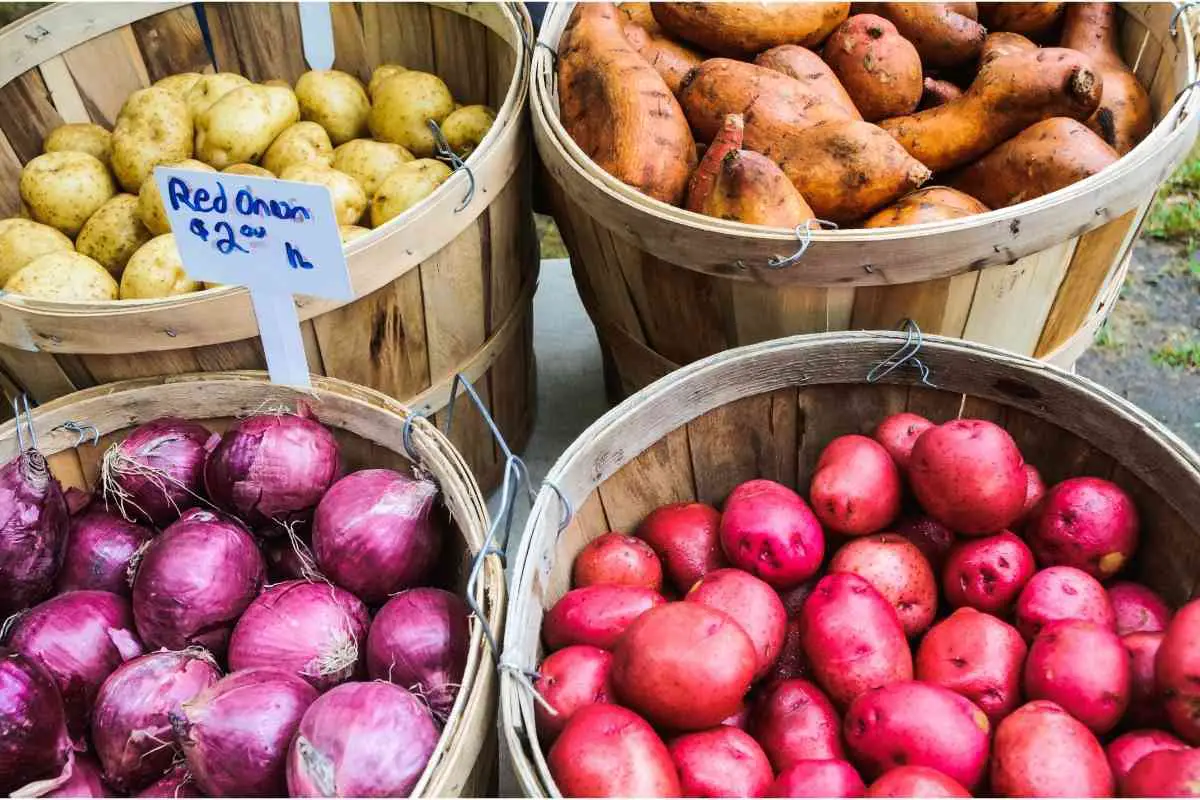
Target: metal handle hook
x,y
1173,28
444,153
83,431
907,353
804,233
23,420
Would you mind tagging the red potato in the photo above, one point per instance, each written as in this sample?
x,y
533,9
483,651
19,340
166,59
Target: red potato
x,y
1167,773
977,656
879,68
684,666
1087,523
768,530
685,538
721,762
1125,751
898,433
791,662
568,680
824,778
916,782
1035,490
794,721
852,638
609,751
1042,751
967,473
618,560
988,574
1082,667
912,723
740,719
1062,593
1138,608
898,571
1177,672
930,536
1145,703
855,489
752,604
596,615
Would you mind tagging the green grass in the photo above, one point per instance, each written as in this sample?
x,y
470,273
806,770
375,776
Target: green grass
x,y
1176,212
1105,337
1184,355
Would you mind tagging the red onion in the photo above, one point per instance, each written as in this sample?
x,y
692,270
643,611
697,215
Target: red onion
x,y
86,780
33,531
289,558
34,745
176,783
155,473
271,469
236,733
361,740
311,629
419,640
99,548
195,580
373,535
77,499
79,638
131,729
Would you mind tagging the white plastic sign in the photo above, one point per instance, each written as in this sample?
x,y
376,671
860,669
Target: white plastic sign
x,y
276,238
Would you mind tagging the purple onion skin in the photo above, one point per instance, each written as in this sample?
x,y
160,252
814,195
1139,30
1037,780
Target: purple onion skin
x,y
33,531
174,447
373,536
236,733
34,745
176,783
313,630
195,580
99,547
419,641
361,740
283,562
131,721
79,638
86,780
271,470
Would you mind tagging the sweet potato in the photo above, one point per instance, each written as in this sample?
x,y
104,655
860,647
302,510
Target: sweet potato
x,y
1124,116
1087,523
685,537
618,109
1125,751
855,489
936,92
751,188
846,170
741,29
1009,94
1042,751
721,762
828,777
918,724
916,782
931,204
898,571
1165,773
773,105
1145,702
596,615
977,655
1084,668
1138,608
753,605
568,680
1062,593
609,751
942,34
1177,672
1043,158
617,559
670,59
641,15
811,70
794,721
1003,44
879,68
988,574
1034,20
728,140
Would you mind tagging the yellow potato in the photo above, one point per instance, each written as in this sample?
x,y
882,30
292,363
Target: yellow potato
x,y
156,270
63,189
336,101
402,106
349,199
242,124
302,143
277,82
179,85
23,240
81,137
381,74
369,161
153,128
465,128
63,275
114,233
408,185
151,210
248,169
351,232
211,88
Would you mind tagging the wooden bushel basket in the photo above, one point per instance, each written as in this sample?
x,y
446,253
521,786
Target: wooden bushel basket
x,y
666,286
441,290
767,410
370,429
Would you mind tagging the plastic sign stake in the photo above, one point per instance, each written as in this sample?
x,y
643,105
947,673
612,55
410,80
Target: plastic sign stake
x,y
316,34
276,238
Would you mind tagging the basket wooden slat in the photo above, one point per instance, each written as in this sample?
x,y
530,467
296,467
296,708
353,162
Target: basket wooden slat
x,y
768,410
440,290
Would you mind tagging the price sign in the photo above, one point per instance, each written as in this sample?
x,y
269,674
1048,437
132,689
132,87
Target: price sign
x,y
276,238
